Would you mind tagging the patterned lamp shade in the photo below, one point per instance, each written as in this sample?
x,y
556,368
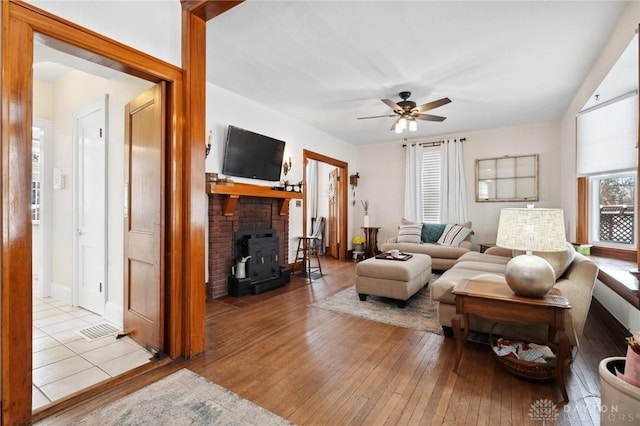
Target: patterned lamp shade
x,y
531,229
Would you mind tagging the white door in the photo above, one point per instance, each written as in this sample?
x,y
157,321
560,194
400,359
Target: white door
x,y
90,206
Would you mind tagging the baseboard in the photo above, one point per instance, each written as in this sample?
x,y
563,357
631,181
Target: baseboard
x,y
113,313
615,327
61,293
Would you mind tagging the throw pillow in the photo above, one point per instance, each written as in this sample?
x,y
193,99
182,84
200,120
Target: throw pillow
x,y
559,260
410,233
432,231
453,235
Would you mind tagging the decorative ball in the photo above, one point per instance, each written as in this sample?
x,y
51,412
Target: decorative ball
x,y
529,276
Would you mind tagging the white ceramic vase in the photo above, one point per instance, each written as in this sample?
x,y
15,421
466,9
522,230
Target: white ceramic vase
x,y
619,400
366,221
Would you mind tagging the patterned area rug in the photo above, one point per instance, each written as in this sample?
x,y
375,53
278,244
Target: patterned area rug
x,y
182,398
419,314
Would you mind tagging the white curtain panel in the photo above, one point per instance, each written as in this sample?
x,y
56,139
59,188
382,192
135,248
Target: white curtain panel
x,y
312,190
453,191
413,183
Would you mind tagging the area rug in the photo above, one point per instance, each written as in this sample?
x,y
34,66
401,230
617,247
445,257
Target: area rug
x,y
419,314
182,398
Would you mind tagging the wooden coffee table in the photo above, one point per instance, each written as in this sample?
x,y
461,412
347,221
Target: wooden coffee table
x,y
495,301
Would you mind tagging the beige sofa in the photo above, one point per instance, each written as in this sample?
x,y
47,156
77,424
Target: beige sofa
x,y
442,256
576,276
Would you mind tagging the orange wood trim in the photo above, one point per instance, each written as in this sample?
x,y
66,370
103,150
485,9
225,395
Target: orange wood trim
x,y
283,207
205,9
614,253
582,220
229,205
15,281
61,34
194,201
343,173
235,191
247,189
21,23
630,295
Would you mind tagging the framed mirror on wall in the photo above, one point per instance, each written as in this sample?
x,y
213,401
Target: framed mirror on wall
x,y
507,179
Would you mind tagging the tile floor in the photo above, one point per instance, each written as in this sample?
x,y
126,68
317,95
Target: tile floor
x,y
64,362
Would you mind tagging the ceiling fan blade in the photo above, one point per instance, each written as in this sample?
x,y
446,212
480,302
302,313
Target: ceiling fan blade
x,y
429,117
431,105
377,116
394,106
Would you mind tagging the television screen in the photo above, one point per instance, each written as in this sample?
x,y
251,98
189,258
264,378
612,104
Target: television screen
x,y
251,155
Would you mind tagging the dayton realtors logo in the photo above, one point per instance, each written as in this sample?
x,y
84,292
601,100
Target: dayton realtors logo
x,y
543,410
546,412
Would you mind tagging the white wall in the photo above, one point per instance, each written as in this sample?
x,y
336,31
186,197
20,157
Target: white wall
x,y
153,27
381,168
619,40
225,108
70,93
42,113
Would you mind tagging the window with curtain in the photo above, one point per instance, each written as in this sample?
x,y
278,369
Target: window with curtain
x,y
431,178
607,156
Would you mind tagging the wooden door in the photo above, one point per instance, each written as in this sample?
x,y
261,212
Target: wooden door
x,y
144,218
333,222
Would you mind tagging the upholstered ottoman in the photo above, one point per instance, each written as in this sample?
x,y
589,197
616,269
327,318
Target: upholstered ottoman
x,y
395,279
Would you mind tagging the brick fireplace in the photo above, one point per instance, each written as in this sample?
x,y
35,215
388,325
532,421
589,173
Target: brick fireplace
x,y
229,213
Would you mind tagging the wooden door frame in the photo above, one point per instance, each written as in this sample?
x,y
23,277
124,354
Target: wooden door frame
x,y
343,173
186,210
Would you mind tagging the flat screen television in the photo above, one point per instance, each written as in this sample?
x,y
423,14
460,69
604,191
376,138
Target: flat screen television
x,y
251,155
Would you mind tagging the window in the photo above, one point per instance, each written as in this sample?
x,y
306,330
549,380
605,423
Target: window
x,y
431,176
35,176
612,209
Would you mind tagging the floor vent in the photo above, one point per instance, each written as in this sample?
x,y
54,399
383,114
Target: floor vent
x,y
98,331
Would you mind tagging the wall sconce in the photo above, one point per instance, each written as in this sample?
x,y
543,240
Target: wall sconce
x,y
286,167
353,179
207,146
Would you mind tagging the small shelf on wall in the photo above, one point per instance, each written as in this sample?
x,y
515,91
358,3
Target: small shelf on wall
x,y
233,192
507,179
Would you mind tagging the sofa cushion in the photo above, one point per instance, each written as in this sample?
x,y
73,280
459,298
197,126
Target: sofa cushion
x,y
431,232
410,233
475,256
442,287
433,250
453,235
559,260
495,268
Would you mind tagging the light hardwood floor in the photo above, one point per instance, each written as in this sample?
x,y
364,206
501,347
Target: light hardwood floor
x,y
316,367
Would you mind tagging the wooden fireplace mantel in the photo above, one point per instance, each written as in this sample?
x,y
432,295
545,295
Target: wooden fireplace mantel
x,y
233,192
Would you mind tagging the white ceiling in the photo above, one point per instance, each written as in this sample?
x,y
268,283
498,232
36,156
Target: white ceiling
x,y
327,63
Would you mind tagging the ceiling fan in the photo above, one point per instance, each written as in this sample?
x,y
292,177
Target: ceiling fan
x,y
407,112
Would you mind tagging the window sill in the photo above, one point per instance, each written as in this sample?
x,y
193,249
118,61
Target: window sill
x,y
621,276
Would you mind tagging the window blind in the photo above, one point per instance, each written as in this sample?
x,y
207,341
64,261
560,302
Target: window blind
x,y
607,137
431,184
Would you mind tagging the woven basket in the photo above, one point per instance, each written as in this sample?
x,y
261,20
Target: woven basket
x,y
535,371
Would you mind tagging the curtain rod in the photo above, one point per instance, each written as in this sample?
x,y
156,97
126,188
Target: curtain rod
x,y
436,143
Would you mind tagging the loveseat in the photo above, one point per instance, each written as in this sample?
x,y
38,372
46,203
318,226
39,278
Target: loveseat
x,y
444,243
575,278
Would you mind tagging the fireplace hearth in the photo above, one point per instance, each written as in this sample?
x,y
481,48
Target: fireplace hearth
x,y
257,268
238,207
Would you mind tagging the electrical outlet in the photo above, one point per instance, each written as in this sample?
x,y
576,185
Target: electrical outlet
x,y
298,203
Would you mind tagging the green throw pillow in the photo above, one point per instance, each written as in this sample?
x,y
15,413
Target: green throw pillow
x,y
431,232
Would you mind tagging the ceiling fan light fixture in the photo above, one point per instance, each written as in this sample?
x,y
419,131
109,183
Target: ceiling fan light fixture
x,y
398,129
402,123
413,125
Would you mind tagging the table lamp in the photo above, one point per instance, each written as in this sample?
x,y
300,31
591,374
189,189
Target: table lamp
x,y
529,230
